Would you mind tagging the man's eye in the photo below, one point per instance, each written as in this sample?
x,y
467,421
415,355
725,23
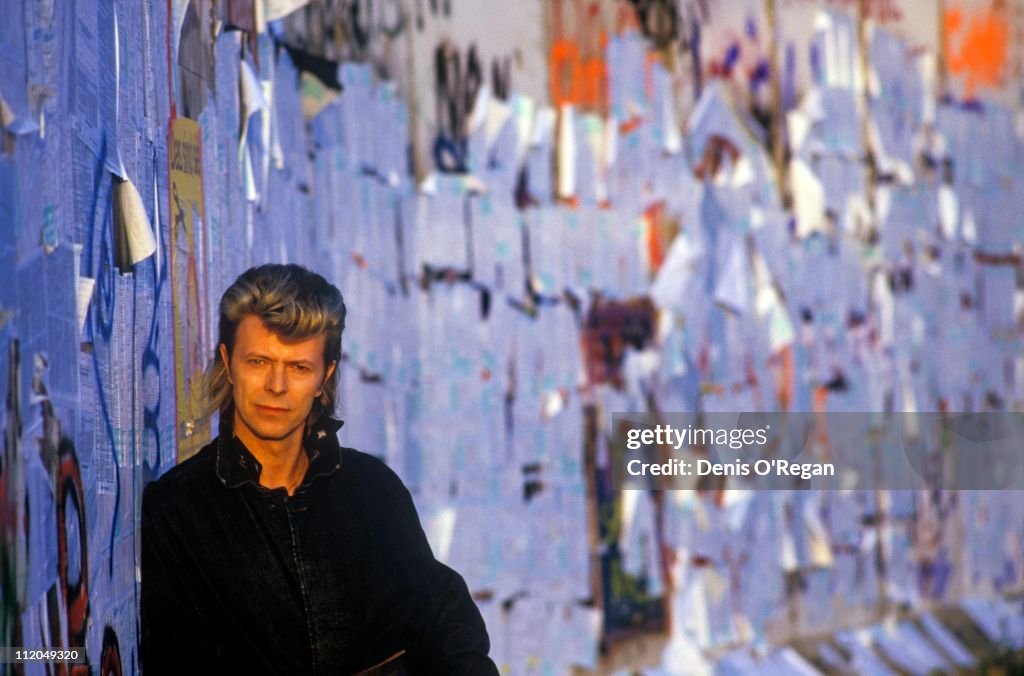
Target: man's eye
x,y
256,362
301,368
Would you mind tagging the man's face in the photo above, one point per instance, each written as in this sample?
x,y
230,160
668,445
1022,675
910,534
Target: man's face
x,y
275,383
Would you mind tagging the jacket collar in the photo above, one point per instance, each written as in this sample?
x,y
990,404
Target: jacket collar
x,y
236,465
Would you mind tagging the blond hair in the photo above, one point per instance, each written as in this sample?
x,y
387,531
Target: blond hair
x,y
293,302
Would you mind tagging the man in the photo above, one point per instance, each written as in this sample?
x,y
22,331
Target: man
x,y
273,550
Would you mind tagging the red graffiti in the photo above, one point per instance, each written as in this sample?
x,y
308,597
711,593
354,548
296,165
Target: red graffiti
x,y
577,68
76,592
110,657
576,80
976,48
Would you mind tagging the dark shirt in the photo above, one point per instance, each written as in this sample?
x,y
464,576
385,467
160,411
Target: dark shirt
x,y
333,579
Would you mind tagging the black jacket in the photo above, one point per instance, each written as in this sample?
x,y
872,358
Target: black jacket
x,y
331,580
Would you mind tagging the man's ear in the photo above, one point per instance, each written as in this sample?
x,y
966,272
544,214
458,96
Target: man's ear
x,y
227,362
327,376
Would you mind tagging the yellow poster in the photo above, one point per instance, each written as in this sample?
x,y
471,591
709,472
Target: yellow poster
x,y
188,284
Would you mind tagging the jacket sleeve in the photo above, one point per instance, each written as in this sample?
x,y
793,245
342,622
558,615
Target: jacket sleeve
x,y
174,637
448,635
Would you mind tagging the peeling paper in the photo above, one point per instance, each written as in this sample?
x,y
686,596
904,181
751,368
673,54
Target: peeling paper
x,y
567,152
134,240
523,109
498,114
84,295
252,101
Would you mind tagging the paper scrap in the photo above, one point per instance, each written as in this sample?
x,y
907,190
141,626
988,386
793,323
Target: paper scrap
x,y
480,109
272,10
498,113
732,290
6,114
523,109
134,241
798,124
808,197
85,288
252,101
566,151
315,95
248,178
544,122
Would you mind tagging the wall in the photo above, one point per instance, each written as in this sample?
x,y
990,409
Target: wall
x,y
121,222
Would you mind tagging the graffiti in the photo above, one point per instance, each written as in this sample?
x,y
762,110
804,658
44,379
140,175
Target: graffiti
x,y
658,20
674,29
152,396
343,30
744,55
577,80
577,69
976,48
72,545
363,21
162,328
457,81
12,547
456,86
437,7
501,77
110,657
105,323
58,456
356,26
102,313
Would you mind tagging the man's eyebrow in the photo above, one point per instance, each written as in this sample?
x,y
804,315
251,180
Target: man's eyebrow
x,y
261,355
258,354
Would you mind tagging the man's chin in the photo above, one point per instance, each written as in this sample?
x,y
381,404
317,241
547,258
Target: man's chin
x,y
272,433
269,429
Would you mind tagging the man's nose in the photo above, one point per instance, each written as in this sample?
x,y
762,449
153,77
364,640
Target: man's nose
x,y
277,379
